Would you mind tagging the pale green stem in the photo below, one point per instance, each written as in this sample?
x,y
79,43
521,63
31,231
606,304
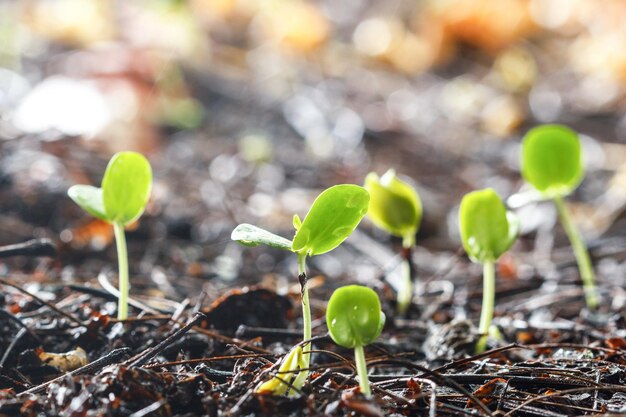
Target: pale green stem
x,y
122,259
408,241
489,295
361,370
306,308
405,291
581,254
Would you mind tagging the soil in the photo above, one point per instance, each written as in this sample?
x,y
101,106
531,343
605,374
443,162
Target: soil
x,y
209,318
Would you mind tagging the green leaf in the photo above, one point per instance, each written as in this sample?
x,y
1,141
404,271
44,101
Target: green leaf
x,y
487,230
394,205
249,235
126,187
89,198
354,317
334,215
551,160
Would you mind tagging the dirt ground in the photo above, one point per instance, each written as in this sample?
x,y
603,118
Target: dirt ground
x,y
246,119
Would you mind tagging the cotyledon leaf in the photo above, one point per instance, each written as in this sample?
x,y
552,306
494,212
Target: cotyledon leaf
x,y
249,235
334,215
89,198
126,187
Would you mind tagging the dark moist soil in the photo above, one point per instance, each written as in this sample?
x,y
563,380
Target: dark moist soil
x,y
210,318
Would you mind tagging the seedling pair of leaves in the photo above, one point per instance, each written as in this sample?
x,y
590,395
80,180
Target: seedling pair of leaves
x,y
120,200
396,208
487,231
334,215
552,163
355,320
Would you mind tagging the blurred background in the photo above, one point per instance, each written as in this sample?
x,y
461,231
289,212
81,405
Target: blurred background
x,y
247,109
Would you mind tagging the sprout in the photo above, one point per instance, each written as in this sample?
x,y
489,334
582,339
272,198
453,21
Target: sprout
x,y
551,160
355,320
552,163
120,201
396,208
487,231
334,215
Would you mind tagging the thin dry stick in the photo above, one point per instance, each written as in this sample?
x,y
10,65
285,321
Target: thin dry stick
x,y
20,323
432,412
464,361
152,352
106,284
50,305
149,409
608,388
14,342
34,247
573,346
441,377
206,360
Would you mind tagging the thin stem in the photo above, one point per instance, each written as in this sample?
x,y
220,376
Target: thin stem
x,y
581,254
306,307
361,370
489,295
405,291
122,259
408,240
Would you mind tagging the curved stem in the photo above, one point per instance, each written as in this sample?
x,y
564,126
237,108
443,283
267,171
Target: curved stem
x,y
361,370
123,282
581,254
489,295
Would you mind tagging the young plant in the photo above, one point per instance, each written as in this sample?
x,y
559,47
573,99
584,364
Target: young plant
x,y
552,163
396,208
334,215
120,200
487,231
354,320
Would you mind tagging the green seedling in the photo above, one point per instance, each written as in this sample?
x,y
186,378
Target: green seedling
x,y
487,231
354,320
396,208
552,163
120,200
334,215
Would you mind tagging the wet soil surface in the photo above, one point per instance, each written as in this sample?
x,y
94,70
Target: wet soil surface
x,y
210,318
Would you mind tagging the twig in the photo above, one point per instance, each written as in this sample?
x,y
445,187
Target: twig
x,y
149,409
34,247
104,282
456,364
152,352
50,305
206,360
14,342
248,331
20,323
444,380
608,388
